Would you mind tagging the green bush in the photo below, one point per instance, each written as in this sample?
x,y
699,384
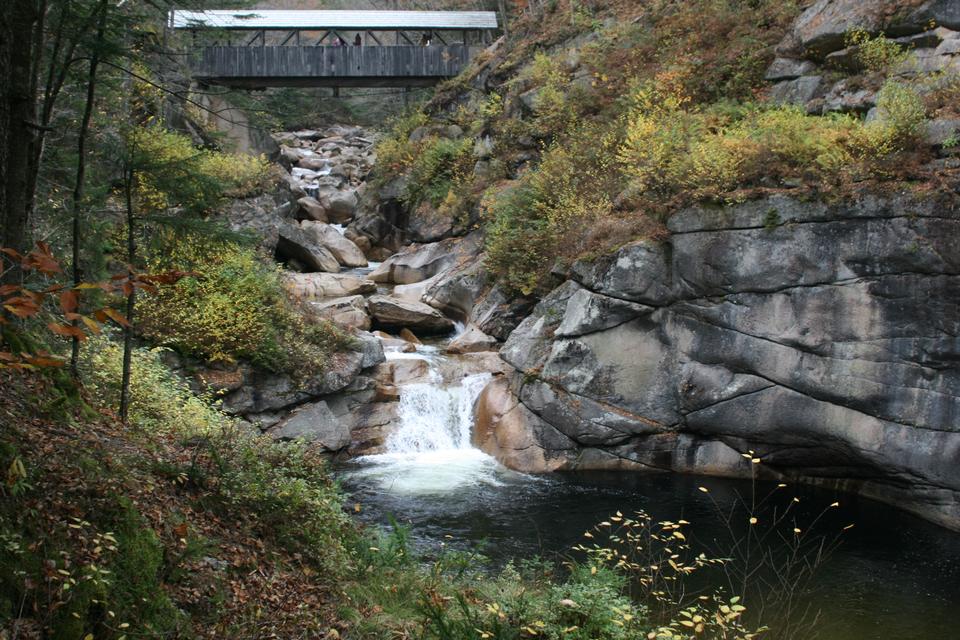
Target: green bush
x,y
172,173
160,401
288,487
901,115
233,308
439,166
876,54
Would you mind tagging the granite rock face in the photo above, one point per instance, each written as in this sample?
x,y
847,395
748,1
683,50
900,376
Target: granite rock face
x,y
826,342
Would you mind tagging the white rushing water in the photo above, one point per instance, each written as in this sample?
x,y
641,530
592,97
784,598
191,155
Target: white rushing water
x,y
431,450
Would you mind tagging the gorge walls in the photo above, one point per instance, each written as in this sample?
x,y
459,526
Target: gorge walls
x,y
821,337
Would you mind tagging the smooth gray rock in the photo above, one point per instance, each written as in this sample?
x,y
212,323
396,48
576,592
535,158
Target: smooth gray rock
x,y
419,262
371,347
588,312
822,27
345,252
349,312
264,391
638,272
295,243
311,286
311,209
821,336
417,316
799,91
314,423
788,69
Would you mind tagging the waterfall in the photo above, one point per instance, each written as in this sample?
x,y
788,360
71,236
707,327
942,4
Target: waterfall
x,y
431,449
436,418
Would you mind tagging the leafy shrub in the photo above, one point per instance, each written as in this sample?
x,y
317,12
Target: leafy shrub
x,y
901,115
590,604
439,165
160,401
172,173
542,216
876,54
242,175
395,153
288,487
232,308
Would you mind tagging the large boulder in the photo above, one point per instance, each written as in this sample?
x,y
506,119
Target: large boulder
x,y
314,423
417,316
346,252
259,216
311,286
428,224
419,262
294,243
472,340
311,209
505,429
340,206
823,27
349,312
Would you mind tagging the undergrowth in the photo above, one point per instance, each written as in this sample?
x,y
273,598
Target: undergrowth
x,y
232,307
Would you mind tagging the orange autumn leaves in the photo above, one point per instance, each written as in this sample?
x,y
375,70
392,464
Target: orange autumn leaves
x,y
24,301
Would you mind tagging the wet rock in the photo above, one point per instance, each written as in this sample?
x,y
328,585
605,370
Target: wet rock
x,y
345,252
295,243
472,340
505,429
800,340
311,286
390,312
349,312
311,209
406,334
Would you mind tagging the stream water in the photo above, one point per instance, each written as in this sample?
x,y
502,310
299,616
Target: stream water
x,y
892,575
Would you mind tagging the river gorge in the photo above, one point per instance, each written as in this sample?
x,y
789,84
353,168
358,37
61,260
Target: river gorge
x,y
485,422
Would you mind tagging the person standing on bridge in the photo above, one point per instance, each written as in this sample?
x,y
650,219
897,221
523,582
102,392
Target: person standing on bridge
x,y
358,41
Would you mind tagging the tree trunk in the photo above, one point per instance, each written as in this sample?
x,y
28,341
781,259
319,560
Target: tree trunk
x,y
81,170
131,299
20,22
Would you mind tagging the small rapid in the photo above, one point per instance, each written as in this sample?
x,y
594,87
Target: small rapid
x,y
431,449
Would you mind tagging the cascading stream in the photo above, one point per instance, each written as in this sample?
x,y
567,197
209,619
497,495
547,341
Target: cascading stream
x,y
431,450
434,417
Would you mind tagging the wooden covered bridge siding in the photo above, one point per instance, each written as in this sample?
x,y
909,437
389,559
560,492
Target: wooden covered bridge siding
x,y
330,66
275,63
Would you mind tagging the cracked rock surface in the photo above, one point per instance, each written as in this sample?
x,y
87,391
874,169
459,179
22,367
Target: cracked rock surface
x,y
822,337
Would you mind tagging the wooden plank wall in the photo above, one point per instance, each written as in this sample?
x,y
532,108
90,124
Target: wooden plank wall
x,y
328,62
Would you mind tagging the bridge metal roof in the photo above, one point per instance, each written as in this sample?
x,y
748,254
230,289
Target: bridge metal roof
x,y
332,19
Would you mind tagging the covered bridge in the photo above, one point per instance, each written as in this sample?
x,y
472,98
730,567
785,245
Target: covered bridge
x,y
332,48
